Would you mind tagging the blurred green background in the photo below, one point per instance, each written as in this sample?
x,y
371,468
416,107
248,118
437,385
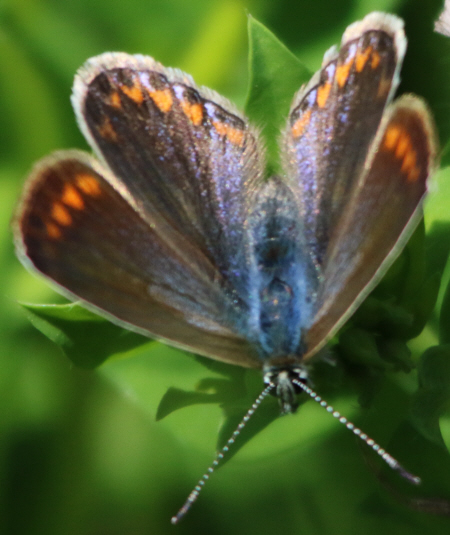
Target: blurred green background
x,y
80,451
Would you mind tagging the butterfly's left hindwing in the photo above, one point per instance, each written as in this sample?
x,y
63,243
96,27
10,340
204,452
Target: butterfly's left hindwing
x,y
79,231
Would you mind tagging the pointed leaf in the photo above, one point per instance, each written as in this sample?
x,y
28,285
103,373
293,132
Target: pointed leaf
x,y
87,339
275,76
175,399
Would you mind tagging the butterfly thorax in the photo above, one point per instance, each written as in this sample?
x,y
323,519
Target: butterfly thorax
x,y
284,279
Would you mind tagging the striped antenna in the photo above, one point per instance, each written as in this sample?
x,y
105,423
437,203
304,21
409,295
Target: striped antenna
x,y
201,483
387,457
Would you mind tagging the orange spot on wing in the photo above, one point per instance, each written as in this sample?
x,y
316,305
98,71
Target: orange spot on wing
x,y
409,161
71,197
221,128
60,214
323,92
409,165
398,141
134,93
162,98
376,59
413,174
194,112
383,87
300,124
403,145
234,135
391,137
88,184
53,231
107,131
362,57
342,72
114,100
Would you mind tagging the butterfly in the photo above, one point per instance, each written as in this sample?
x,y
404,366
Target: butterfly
x,y
174,230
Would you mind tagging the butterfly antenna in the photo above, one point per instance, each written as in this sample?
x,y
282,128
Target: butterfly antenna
x,y
201,483
387,457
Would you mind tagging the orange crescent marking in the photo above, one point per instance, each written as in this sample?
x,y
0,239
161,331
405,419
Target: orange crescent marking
x,y
60,214
71,197
391,137
114,100
323,93
134,93
383,87
234,135
53,231
376,59
300,124
362,57
162,98
88,184
343,71
403,146
221,128
414,174
107,131
194,112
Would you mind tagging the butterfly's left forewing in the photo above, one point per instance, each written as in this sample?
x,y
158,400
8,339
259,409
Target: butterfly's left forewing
x,y
185,154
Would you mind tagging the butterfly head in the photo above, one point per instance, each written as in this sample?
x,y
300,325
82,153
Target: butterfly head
x,y
285,384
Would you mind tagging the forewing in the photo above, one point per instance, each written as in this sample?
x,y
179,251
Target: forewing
x,y
185,155
334,119
379,216
76,228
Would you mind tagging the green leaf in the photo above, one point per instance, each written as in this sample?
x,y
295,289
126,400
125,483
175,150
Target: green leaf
x,y
359,346
176,398
444,426
275,76
209,390
444,319
432,399
87,339
438,199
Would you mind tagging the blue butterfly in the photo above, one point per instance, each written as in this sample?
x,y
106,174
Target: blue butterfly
x,y
175,232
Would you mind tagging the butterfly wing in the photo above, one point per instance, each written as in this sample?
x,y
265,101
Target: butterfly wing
x,y
335,117
382,212
156,239
358,188
185,154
